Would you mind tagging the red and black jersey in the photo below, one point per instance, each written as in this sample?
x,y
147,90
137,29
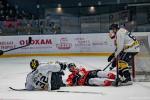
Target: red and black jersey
x,y
78,77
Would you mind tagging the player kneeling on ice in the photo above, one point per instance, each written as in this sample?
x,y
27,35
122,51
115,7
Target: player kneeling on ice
x,y
44,76
82,77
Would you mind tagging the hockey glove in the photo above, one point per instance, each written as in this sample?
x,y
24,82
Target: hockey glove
x,y
63,66
110,68
111,57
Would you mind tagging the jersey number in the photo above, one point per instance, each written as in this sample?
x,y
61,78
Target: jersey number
x,y
43,80
132,37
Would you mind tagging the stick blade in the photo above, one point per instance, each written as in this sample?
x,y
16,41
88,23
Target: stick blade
x,y
17,89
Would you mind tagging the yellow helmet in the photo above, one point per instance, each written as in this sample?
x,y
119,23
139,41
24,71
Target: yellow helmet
x,y
34,64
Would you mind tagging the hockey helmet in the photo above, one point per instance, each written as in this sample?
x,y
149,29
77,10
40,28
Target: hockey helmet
x,y
113,26
112,30
71,67
34,64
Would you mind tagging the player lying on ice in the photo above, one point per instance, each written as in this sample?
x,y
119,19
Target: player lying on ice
x,y
47,76
82,77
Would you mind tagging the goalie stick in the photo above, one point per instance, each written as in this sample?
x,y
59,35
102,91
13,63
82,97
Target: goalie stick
x,y
29,42
63,91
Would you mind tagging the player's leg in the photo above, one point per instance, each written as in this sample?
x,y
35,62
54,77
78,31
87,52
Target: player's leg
x,y
56,81
128,57
124,71
100,82
130,60
106,74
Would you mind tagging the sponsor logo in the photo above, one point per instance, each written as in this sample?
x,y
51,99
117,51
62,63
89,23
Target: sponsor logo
x,y
64,44
36,42
82,42
7,45
6,42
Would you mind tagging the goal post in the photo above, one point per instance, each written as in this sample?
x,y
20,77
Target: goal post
x,y
141,69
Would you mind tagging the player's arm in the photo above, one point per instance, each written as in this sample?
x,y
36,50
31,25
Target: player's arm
x,y
50,68
120,42
69,80
72,80
29,82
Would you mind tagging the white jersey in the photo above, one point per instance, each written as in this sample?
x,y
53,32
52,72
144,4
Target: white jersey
x,y
126,42
40,79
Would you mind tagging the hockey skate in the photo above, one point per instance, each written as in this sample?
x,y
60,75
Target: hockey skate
x,y
126,82
122,83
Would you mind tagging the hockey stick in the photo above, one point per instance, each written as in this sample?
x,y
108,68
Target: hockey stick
x,y
17,89
29,42
63,91
107,66
117,73
80,92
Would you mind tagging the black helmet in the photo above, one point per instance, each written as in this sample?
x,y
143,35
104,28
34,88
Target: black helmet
x,y
71,67
114,26
34,64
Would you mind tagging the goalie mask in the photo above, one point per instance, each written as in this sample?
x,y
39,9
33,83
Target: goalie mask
x,y
34,64
72,67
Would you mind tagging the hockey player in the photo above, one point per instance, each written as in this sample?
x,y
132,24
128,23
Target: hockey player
x,y
126,48
44,76
82,77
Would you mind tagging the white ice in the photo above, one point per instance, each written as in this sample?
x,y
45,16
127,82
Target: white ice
x,y
13,72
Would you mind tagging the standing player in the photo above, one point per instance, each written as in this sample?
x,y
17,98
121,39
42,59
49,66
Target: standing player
x,y
44,76
126,48
82,77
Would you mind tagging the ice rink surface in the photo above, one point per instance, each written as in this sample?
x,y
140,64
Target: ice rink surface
x,y
13,72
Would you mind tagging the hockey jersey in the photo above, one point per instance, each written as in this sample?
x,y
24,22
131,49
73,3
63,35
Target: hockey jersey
x,y
40,79
126,42
77,77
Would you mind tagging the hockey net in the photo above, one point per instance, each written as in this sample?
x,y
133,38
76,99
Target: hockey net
x,y
142,60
